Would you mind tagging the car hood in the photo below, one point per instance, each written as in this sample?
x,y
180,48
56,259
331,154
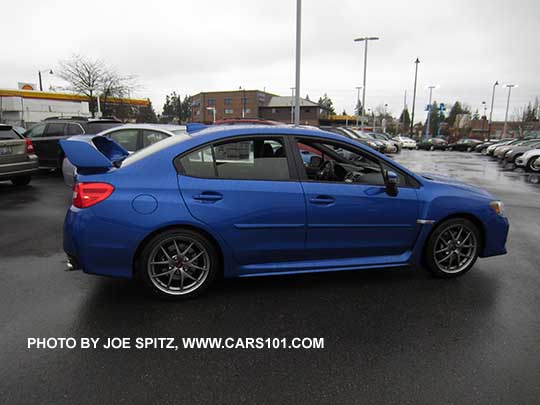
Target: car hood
x,y
532,152
450,181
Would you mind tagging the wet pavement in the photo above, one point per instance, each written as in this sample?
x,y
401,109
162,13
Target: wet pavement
x,y
390,335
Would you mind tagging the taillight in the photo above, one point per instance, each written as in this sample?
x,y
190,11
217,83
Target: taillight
x,y
88,194
29,146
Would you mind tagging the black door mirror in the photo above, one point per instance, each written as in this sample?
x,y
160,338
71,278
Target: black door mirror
x,y
315,162
391,180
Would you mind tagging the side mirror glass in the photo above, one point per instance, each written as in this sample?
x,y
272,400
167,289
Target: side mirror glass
x,y
315,161
391,181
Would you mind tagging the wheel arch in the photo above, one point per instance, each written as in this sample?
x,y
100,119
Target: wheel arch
x,y
458,215
190,227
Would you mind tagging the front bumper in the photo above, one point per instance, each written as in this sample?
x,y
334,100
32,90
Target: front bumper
x,y
496,235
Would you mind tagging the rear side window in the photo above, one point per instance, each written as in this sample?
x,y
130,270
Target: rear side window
x,y
150,137
246,159
128,138
36,132
55,129
74,129
8,133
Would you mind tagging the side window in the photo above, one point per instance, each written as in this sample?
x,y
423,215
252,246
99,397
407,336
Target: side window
x,y
127,138
55,129
340,163
36,131
150,137
249,159
74,129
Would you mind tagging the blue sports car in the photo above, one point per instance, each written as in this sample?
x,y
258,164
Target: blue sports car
x,y
242,201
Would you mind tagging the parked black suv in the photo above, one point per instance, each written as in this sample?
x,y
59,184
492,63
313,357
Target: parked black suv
x,y
47,134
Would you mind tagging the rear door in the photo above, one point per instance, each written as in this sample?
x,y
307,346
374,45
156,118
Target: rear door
x,y
246,190
48,146
12,147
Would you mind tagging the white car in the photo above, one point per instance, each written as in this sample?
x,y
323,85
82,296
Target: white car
x,y
529,160
132,137
406,142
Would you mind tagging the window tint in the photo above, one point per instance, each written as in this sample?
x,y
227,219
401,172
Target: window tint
x,y
55,129
150,137
36,131
250,159
97,127
340,163
127,138
74,129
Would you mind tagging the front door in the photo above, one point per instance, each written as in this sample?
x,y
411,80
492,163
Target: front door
x,y
245,190
349,213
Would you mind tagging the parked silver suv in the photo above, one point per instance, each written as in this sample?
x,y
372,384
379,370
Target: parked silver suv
x,y
17,158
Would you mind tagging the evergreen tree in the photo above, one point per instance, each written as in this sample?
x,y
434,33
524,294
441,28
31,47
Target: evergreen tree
x,y
172,109
326,102
147,115
405,119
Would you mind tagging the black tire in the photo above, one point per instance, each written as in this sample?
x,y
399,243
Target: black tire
x,y
154,245
530,164
450,148
435,241
21,180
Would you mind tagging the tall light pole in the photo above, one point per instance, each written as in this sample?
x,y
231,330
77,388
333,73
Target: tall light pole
x,y
491,112
365,40
416,62
357,103
510,86
298,49
429,110
484,117
39,75
292,105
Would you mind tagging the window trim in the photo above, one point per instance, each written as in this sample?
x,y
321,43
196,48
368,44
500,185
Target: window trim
x,y
285,140
302,175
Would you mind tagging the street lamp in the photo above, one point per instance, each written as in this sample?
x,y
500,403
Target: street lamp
x,y
292,105
358,107
213,109
491,112
429,109
416,62
510,86
484,117
365,40
39,74
297,67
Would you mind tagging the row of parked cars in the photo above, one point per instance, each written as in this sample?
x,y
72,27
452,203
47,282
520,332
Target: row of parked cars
x,y
23,152
515,153
437,143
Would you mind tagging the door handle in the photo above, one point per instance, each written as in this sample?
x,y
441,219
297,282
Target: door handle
x,y
322,200
208,196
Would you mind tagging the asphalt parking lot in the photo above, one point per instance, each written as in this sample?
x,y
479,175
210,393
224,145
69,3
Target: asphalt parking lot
x,y
390,335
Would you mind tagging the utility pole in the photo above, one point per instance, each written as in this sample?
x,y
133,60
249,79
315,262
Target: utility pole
x,y
491,112
416,62
429,111
358,107
509,86
365,40
292,105
298,49
404,109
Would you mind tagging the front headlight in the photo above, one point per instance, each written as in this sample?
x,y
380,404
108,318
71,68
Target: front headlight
x,y
497,206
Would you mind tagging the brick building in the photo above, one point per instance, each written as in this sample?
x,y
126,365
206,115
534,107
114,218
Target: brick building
x,y
251,104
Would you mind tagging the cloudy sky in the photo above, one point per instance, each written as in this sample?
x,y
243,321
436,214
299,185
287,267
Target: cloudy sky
x,y
203,45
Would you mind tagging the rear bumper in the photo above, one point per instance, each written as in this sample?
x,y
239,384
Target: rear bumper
x,y
10,170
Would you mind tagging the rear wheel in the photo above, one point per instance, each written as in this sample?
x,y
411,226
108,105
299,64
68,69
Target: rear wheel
x,y
21,180
178,264
453,248
432,147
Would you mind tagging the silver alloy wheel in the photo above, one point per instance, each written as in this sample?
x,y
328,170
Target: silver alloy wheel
x,y
178,265
455,248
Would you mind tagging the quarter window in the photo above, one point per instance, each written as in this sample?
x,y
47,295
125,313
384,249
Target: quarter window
x,y
150,137
247,159
127,138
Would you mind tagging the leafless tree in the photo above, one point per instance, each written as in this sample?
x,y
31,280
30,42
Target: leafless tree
x,y
92,77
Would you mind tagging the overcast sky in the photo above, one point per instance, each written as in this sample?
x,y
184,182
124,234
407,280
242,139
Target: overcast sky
x,y
204,45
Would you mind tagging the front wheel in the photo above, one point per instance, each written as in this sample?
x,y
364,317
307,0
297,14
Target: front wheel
x,y
178,264
452,248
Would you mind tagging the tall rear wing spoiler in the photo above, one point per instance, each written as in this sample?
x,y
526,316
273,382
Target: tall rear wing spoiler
x,y
93,152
